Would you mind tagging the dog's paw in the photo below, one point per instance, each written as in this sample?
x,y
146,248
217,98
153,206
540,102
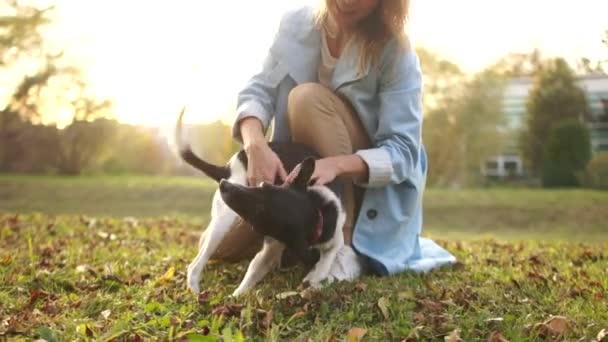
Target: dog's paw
x,y
193,283
311,278
237,293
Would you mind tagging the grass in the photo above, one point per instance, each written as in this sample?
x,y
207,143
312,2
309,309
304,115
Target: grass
x,y
73,266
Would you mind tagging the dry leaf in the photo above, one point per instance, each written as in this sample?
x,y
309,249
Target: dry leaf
x,y
267,321
361,287
167,277
497,336
7,260
299,314
557,325
355,334
106,313
204,297
495,319
454,336
287,294
383,305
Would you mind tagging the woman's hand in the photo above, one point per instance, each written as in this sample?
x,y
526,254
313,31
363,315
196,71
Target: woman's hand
x,y
327,169
263,164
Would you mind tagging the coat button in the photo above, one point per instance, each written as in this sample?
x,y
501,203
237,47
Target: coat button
x,y
371,214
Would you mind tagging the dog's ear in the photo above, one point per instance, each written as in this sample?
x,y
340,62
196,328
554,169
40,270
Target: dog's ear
x,y
307,168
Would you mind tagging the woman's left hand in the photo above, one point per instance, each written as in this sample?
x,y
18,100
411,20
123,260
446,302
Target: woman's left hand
x,y
326,170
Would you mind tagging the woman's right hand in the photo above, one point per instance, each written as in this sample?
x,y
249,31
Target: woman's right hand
x,y
263,164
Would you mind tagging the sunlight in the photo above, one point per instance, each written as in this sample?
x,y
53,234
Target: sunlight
x,y
151,61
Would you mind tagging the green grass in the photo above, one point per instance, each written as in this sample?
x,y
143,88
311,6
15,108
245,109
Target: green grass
x,y
73,268
473,213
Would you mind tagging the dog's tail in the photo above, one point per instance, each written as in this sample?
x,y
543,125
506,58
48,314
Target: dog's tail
x,y
185,151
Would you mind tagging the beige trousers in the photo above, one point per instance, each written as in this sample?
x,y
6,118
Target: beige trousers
x,y
329,125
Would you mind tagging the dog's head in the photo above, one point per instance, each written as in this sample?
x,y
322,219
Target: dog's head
x,y
275,210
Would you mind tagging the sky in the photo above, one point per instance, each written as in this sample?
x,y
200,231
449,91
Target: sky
x,y
152,57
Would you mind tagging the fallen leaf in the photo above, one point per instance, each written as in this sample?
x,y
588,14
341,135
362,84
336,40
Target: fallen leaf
x,y
454,336
35,295
355,334
497,336
204,297
406,295
267,321
535,260
299,314
106,313
383,305
287,294
7,260
495,319
86,268
167,277
361,287
555,327
85,330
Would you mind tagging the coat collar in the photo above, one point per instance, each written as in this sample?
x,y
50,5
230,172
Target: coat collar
x,y
302,55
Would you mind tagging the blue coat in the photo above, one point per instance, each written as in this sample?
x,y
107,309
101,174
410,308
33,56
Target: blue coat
x,y
387,98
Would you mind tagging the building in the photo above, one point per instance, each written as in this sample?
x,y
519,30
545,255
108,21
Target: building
x,y
510,163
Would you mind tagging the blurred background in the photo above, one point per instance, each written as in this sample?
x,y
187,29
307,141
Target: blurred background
x,y
515,101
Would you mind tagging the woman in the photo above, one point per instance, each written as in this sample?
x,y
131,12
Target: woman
x,y
343,80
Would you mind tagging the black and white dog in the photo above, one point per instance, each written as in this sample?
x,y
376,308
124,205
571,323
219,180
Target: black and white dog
x,y
296,216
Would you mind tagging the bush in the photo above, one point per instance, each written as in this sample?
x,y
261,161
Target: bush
x,y
596,173
566,154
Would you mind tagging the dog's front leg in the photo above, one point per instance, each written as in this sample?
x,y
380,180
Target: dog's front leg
x,y
321,270
263,262
216,230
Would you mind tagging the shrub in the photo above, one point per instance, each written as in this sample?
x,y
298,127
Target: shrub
x,y
596,172
566,154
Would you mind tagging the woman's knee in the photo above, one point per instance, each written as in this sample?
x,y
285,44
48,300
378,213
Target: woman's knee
x,y
305,99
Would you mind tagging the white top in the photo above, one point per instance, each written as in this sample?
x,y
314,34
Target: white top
x,y
328,62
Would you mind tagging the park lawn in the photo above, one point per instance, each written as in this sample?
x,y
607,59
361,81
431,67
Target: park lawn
x,y
105,257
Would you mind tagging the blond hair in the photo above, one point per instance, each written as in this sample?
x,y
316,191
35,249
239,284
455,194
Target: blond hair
x,y
386,22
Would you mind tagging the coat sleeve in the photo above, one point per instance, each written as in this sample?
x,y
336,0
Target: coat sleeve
x,y
397,141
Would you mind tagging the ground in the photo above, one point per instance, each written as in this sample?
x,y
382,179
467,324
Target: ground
x,y
104,258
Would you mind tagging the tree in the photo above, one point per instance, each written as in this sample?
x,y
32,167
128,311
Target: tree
x,y
19,30
442,79
519,64
554,97
567,152
462,122
55,85
442,84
